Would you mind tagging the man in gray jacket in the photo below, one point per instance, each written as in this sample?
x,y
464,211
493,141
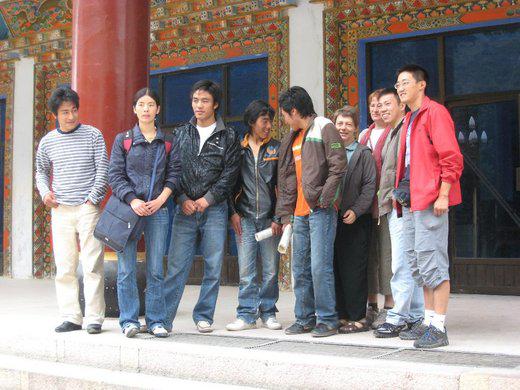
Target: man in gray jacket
x,y
405,317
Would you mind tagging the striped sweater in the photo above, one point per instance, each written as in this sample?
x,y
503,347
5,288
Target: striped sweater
x,y
78,163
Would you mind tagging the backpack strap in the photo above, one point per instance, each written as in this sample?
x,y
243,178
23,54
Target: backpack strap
x,y
168,140
128,140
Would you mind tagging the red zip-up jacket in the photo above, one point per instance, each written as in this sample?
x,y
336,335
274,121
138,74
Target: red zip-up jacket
x,y
435,156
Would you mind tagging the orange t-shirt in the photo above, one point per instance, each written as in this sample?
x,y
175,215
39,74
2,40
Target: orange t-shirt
x,y
302,208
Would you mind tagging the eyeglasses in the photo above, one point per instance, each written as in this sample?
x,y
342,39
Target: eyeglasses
x,y
405,83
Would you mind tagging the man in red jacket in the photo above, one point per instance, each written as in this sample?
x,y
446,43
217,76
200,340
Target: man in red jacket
x,y
427,183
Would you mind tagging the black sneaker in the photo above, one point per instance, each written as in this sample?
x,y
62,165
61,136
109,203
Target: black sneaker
x,y
387,330
432,338
414,331
323,330
67,326
94,328
297,328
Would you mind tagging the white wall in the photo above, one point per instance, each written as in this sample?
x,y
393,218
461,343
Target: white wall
x,y
306,50
22,228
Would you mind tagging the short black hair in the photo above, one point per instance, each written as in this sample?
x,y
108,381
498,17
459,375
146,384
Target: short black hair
x,y
298,98
61,95
418,72
146,92
209,86
390,91
255,110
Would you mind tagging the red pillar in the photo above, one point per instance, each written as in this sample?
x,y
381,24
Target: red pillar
x,y
110,60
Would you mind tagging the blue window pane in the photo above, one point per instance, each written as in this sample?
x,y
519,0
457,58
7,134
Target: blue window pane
x,y
484,226
483,62
240,128
154,83
4,30
247,82
177,87
386,59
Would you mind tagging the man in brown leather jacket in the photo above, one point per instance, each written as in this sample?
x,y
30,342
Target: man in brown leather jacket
x,y
311,166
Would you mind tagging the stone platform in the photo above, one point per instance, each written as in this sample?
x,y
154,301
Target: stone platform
x,y
484,350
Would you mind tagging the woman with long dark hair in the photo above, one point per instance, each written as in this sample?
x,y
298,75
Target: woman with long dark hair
x,y
144,171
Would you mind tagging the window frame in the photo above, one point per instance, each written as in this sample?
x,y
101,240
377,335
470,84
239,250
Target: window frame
x,y
224,66
440,35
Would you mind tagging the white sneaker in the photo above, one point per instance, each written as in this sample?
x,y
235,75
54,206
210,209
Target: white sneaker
x,y
240,324
272,323
159,331
204,327
130,330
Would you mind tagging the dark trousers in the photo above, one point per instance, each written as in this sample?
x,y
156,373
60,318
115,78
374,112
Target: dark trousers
x,y
350,267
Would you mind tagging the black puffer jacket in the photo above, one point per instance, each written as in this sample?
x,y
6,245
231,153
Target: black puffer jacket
x,y
255,192
212,174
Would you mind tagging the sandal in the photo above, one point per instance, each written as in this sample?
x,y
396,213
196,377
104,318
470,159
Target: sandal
x,y
354,327
343,321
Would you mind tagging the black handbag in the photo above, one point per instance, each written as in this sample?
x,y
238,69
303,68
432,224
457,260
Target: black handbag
x,y
118,222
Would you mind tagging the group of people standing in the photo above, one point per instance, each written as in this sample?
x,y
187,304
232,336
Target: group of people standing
x,y
368,212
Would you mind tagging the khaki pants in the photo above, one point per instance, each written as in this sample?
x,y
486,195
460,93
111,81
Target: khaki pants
x,y
67,222
380,258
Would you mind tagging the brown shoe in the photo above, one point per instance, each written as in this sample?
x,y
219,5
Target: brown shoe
x,y
354,327
343,321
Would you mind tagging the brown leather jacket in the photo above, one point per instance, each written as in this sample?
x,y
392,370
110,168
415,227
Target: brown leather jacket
x,y
323,164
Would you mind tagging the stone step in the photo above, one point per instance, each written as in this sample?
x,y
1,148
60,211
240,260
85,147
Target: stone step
x,y
268,363
22,373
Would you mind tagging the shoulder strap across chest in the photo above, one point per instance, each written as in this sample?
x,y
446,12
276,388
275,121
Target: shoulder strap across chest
x,y
129,139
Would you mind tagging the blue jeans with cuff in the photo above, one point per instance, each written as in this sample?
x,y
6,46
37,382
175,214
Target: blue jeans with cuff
x,y
256,300
212,227
155,233
312,267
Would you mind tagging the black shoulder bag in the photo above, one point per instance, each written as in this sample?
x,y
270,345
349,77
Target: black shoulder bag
x,y
118,222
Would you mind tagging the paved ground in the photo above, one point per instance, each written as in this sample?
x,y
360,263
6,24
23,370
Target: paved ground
x,y
476,324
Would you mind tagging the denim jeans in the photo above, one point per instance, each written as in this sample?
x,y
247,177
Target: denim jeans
x,y
212,226
255,301
312,267
408,296
155,233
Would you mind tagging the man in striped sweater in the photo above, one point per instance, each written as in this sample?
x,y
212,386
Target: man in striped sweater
x,y
75,155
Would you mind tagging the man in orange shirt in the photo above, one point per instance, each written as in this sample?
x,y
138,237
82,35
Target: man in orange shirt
x,y
311,165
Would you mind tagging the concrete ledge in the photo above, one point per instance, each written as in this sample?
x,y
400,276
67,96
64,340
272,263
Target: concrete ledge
x,y
21,373
246,367
491,379
478,356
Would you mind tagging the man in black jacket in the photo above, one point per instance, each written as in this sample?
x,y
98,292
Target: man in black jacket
x,y
252,210
209,156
